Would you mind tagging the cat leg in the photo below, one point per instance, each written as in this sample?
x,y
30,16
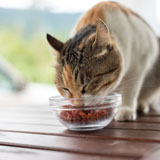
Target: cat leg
x,y
143,107
150,91
130,92
155,104
149,98
144,100
132,89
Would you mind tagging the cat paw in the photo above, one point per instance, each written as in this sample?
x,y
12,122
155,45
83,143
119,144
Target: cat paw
x,y
144,108
125,114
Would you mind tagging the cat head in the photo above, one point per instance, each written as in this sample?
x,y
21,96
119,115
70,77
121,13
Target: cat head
x,y
87,64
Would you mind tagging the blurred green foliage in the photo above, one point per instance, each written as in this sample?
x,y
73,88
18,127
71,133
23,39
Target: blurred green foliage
x,y
31,55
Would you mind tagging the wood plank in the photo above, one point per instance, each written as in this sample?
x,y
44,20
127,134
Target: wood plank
x,y
27,111
77,144
135,126
50,116
16,153
25,114
34,118
155,155
33,128
129,135
10,119
37,128
44,110
57,127
30,120
49,126
51,119
120,134
41,109
154,112
45,115
40,123
21,109
147,119
145,123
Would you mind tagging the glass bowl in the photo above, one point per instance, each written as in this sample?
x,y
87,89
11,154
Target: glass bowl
x,y
96,114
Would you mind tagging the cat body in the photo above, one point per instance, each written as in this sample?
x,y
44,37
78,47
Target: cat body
x,y
111,49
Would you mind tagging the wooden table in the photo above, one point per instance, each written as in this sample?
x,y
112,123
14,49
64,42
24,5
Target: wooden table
x,y
33,133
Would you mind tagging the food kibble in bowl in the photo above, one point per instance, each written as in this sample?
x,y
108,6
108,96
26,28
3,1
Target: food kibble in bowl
x,y
86,118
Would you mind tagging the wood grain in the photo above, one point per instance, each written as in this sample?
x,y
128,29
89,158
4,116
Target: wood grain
x,y
76,145
17,153
35,133
135,126
155,155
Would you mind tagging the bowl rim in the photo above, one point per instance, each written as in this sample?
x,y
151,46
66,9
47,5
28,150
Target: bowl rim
x,y
111,96
112,101
62,108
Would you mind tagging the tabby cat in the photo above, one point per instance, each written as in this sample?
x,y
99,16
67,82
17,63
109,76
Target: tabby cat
x,y
112,49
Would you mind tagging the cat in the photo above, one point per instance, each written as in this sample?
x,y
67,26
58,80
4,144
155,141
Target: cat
x,y
112,48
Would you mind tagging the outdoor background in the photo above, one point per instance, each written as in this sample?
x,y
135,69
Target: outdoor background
x,y
24,24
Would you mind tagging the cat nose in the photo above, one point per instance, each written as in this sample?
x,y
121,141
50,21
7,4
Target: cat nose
x,y
78,103
77,99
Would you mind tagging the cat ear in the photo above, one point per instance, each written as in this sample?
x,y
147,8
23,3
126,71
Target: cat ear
x,y
102,34
55,43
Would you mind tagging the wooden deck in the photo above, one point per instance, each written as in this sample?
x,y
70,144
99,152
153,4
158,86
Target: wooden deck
x,y
34,133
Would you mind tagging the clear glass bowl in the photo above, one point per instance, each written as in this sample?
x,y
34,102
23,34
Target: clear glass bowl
x,y
97,115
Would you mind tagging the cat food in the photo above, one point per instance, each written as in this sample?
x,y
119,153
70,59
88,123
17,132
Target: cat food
x,y
84,116
87,117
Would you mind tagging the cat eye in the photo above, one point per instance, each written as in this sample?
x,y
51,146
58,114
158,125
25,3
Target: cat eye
x,y
66,89
109,47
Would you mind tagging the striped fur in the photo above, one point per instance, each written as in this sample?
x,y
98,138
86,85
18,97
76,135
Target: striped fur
x,y
111,45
